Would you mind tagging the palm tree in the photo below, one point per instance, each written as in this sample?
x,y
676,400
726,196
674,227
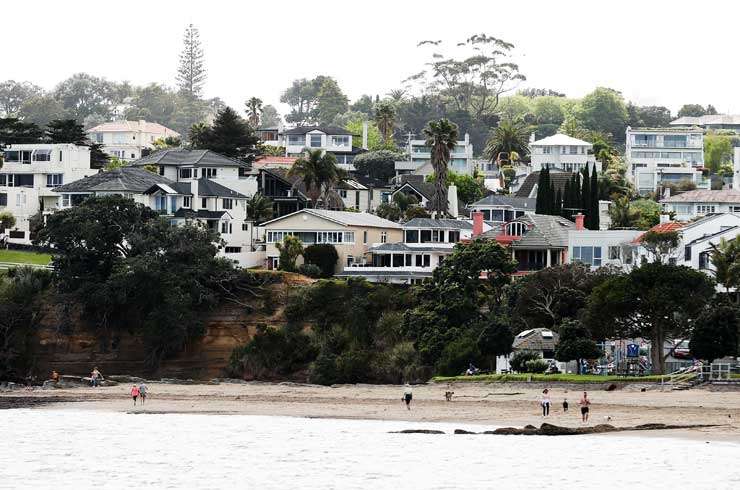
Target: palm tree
x,y
254,111
441,136
319,173
508,137
726,261
397,94
385,119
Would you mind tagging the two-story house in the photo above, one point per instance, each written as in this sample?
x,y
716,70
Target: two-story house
x,y
420,158
30,173
330,139
693,204
656,156
205,201
500,209
127,140
426,243
561,152
352,234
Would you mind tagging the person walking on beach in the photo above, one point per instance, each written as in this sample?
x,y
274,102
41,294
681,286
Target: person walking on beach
x,y
584,403
565,405
407,395
545,402
95,377
134,393
143,391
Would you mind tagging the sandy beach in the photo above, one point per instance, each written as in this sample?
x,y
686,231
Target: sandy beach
x,y
495,404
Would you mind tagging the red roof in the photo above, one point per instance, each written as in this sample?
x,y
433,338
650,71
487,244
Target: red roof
x,y
267,160
662,228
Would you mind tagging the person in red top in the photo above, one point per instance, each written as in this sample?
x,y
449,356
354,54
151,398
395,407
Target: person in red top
x,y
134,393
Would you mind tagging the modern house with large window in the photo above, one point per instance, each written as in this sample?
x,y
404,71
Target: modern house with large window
x,y
561,152
693,204
28,177
127,140
500,209
426,243
420,158
336,141
597,248
656,156
204,201
352,234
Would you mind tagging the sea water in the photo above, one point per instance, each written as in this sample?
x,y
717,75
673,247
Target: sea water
x,y
96,449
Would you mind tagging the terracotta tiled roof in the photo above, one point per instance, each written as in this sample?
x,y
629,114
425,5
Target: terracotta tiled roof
x,y
662,228
267,160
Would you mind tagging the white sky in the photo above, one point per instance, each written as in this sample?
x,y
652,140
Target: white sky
x,y
656,52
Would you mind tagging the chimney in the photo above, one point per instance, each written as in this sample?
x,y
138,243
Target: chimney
x,y
579,221
194,204
665,218
532,138
477,223
142,124
364,135
452,201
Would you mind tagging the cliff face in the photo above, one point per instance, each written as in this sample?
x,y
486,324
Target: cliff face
x,y
66,344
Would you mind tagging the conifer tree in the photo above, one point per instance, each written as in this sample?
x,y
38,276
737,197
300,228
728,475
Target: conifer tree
x,y
191,73
594,208
558,211
565,203
539,205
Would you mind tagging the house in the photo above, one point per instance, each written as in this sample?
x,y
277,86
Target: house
x,y
536,240
29,174
330,139
693,204
541,341
199,200
561,152
127,140
420,158
269,161
500,209
271,136
597,248
184,165
288,193
713,121
416,186
352,234
426,243
656,156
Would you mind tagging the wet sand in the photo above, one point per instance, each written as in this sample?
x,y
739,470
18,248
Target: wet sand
x,y
491,405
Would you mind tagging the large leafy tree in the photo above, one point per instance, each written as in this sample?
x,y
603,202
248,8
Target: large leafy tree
x,y
575,343
441,136
510,136
191,71
42,108
725,257
379,164
15,131
648,116
316,101
715,332
696,110
604,110
84,96
230,136
13,94
657,301
319,173
270,117
330,101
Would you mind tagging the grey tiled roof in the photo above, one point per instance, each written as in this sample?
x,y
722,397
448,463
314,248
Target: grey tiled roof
x,y
456,224
558,180
191,158
207,188
126,179
323,129
534,340
513,201
729,195
544,232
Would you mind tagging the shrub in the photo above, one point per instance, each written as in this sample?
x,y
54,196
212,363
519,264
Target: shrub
x,y
310,270
536,366
353,366
324,256
519,360
272,353
290,249
457,355
324,369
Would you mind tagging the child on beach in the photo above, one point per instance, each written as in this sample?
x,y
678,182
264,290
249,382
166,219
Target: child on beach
x,y
584,403
95,377
134,393
545,402
407,395
143,392
565,405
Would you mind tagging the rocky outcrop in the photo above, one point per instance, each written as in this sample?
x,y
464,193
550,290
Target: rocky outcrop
x,y
417,431
556,430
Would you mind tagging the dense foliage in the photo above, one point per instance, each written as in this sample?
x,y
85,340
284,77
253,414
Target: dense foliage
x,y
322,255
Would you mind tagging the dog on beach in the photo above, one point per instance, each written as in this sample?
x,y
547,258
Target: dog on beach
x,y
448,395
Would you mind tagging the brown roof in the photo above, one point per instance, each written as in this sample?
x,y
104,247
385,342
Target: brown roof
x,y
558,180
730,195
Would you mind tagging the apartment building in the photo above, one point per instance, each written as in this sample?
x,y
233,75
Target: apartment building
x,y
561,152
30,173
657,156
127,140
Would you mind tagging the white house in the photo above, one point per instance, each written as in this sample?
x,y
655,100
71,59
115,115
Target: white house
x,y
28,176
598,248
665,155
710,121
561,152
500,209
420,158
426,243
330,139
200,200
127,139
693,204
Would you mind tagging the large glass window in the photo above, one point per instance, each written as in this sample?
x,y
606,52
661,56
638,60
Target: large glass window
x,y
186,173
643,140
42,156
674,141
454,236
340,140
412,236
587,255
296,140
3,199
12,156
426,236
315,140
227,203
54,180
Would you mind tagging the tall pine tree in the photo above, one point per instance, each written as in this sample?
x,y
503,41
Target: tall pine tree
x,y
594,208
191,72
541,192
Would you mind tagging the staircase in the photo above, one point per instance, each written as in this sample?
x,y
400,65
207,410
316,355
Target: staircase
x,y
681,381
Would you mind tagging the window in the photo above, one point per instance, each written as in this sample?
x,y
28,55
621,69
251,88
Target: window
x,y
12,156
21,180
277,236
186,173
227,203
161,170
343,193
3,180
383,236
687,253
3,199
349,237
614,252
364,237
704,260
97,137
573,150
54,180
186,201
426,236
296,140
226,227
705,208
315,140
546,150
42,156
587,255
173,204
357,200
20,199
453,236
245,226
674,141
340,140
133,155
204,203
516,228
350,260
412,236
233,250
209,172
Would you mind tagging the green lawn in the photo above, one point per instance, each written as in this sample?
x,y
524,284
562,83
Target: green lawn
x,y
563,378
23,257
